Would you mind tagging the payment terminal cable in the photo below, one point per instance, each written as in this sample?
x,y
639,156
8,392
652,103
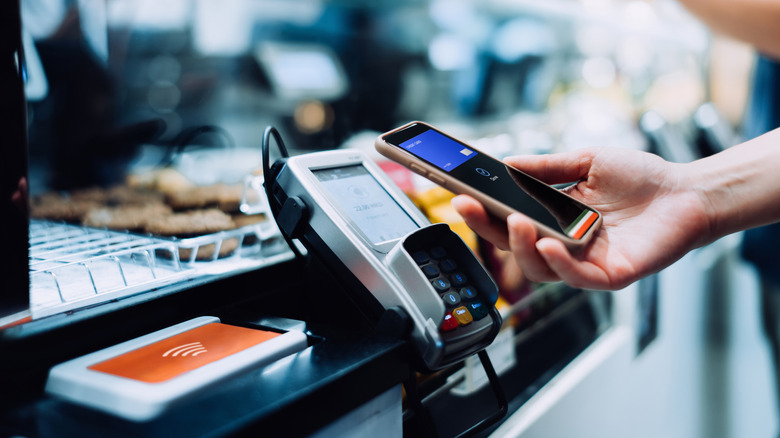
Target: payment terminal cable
x,y
423,425
270,177
185,139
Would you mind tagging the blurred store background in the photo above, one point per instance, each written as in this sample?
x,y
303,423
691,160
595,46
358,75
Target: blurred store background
x,y
519,76
119,86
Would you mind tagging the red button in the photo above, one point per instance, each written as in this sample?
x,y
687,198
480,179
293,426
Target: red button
x,y
449,323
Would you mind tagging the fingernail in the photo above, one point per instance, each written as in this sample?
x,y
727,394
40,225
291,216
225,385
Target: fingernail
x,y
514,218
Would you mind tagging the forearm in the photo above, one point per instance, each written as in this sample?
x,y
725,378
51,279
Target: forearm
x,y
740,187
752,21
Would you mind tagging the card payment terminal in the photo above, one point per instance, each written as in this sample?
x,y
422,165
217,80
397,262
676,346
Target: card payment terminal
x,y
345,209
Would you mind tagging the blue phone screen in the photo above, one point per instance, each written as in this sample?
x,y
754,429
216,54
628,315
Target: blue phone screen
x,y
439,150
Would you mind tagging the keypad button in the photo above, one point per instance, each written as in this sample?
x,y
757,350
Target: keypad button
x,y
431,271
450,323
448,265
458,279
452,299
438,252
477,309
468,292
441,284
451,282
421,257
463,315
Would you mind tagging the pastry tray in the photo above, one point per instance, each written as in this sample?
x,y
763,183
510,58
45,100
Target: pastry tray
x,y
73,266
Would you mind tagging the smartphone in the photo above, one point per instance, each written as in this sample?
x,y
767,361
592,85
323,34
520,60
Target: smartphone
x,y
501,188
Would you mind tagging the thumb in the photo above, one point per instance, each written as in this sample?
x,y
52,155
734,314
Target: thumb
x,y
555,168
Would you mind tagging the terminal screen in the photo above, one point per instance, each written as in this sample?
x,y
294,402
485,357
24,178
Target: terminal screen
x,y
366,203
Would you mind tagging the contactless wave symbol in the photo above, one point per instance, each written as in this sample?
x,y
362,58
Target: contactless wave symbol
x,y
191,349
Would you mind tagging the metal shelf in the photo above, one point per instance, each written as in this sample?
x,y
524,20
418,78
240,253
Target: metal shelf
x,y
73,266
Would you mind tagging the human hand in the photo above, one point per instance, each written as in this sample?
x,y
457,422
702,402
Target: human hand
x,y
650,218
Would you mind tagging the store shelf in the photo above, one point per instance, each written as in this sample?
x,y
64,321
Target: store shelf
x,y
73,266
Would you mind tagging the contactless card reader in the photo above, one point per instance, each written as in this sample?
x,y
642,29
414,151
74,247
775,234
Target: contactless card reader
x,y
345,209
141,378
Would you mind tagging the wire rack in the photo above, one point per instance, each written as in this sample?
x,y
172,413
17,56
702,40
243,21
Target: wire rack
x,y
74,266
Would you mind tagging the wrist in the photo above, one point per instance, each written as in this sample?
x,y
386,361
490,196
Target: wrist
x,y
715,222
738,188
703,202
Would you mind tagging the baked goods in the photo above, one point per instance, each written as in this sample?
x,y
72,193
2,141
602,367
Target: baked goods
x,y
117,195
195,223
225,197
164,205
57,207
75,205
195,197
229,197
243,220
124,217
164,180
190,223
206,252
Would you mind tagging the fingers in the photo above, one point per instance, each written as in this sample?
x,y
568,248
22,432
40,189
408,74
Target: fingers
x,y
574,272
543,260
522,243
555,168
548,259
480,221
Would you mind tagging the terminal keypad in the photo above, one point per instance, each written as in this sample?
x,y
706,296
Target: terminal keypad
x,y
462,299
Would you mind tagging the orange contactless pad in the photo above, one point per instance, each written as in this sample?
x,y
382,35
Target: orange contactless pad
x,y
187,351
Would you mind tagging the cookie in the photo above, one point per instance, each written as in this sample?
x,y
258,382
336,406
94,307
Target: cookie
x,y
229,197
117,195
165,180
206,252
243,220
124,217
195,197
222,196
56,207
190,223
195,223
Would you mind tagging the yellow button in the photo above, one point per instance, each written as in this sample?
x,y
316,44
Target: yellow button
x,y
462,315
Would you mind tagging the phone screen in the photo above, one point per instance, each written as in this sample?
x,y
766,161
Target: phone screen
x,y
366,202
521,192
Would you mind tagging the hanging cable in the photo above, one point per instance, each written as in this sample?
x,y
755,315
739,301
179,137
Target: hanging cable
x,y
185,138
269,178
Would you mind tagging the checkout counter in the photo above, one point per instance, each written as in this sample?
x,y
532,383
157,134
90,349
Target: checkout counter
x,y
346,372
